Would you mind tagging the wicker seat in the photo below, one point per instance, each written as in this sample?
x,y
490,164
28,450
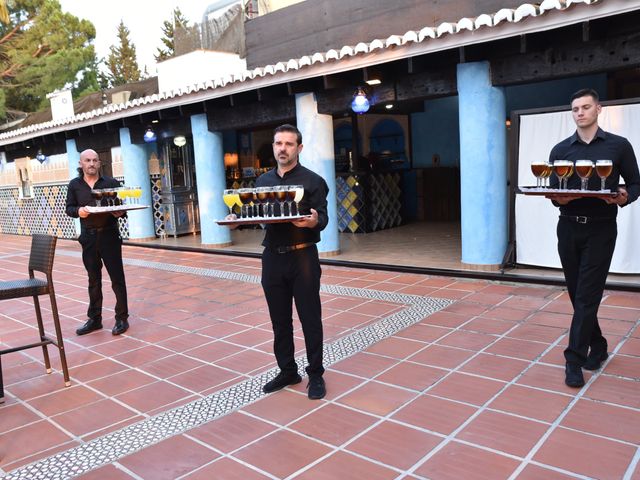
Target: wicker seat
x,y
43,249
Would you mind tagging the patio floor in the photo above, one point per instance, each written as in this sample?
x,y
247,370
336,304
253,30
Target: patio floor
x,y
428,377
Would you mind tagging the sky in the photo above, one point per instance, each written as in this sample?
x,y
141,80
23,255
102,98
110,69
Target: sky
x,y
143,18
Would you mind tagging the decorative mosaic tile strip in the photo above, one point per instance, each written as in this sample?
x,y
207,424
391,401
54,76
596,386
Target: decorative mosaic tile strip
x,y
130,439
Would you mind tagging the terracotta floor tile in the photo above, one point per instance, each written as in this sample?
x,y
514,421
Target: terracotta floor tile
x,y
364,364
621,424
344,466
622,299
439,356
337,384
171,365
549,378
624,366
376,398
40,455
537,333
506,433
502,312
35,387
203,378
93,370
489,326
423,333
555,356
282,407
333,424
122,382
532,403
631,347
214,351
534,472
493,366
117,345
512,347
231,431
435,414
467,388
140,356
96,416
395,347
394,444
185,342
247,361
251,337
282,453
15,416
227,469
152,396
168,459
467,340
447,319
470,464
64,400
108,471
222,329
412,375
585,454
550,319
29,440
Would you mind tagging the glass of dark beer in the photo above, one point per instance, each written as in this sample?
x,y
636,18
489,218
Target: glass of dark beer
x,y
538,168
246,198
563,170
97,195
262,194
584,169
603,170
281,196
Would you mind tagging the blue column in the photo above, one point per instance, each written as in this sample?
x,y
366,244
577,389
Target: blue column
x,y
73,159
135,162
483,167
210,181
317,154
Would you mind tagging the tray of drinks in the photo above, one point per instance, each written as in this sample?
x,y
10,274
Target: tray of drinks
x,y
115,208
263,220
555,192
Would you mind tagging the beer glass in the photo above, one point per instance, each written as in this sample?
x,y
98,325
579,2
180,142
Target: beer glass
x,y
97,194
603,170
136,193
299,189
538,168
291,195
584,169
229,199
548,170
563,170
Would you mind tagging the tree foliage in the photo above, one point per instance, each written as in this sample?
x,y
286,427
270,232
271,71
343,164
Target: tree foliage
x,y
168,38
121,62
42,49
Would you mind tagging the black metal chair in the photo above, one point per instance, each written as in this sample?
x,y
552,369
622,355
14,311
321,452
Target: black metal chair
x,y
43,249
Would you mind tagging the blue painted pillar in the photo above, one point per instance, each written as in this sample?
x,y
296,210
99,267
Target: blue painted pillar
x,y
210,182
318,155
73,159
483,167
135,162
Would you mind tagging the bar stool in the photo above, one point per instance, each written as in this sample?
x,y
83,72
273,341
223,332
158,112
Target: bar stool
x,y
43,249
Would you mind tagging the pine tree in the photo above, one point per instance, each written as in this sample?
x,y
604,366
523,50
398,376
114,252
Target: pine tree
x,y
168,39
121,62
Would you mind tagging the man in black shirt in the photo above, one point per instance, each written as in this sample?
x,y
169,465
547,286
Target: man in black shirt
x,y
101,242
587,229
291,267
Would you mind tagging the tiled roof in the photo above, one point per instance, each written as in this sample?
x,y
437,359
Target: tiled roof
x,y
503,17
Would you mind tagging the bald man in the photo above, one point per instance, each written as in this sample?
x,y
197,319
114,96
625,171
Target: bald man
x,y
101,243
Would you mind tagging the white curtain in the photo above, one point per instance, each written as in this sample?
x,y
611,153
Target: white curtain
x,y
536,217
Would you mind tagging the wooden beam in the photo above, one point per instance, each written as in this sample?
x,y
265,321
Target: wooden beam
x,y
567,60
436,83
253,115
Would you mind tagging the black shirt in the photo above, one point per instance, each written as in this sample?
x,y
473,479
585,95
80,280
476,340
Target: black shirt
x,y
315,196
604,146
79,195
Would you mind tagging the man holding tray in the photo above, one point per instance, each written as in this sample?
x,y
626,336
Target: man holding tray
x,y
290,265
587,229
101,243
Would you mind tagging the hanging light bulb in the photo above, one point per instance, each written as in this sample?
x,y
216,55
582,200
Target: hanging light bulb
x,y
149,136
41,157
360,103
179,140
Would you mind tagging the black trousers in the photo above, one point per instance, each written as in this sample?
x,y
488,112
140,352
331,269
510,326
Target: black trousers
x,y
98,247
288,277
585,252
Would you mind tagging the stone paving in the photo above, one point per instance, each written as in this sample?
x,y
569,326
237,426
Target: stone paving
x,y
428,378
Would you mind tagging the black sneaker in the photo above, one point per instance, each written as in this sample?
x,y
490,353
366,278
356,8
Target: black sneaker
x,y
282,380
574,376
317,388
594,361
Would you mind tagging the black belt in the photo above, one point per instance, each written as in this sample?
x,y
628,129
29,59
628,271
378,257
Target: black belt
x,y
291,248
93,230
579,219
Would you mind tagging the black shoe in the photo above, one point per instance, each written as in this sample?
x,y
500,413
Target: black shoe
x,y
594,361
282,380
574,376
89,326
120,327
317,388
